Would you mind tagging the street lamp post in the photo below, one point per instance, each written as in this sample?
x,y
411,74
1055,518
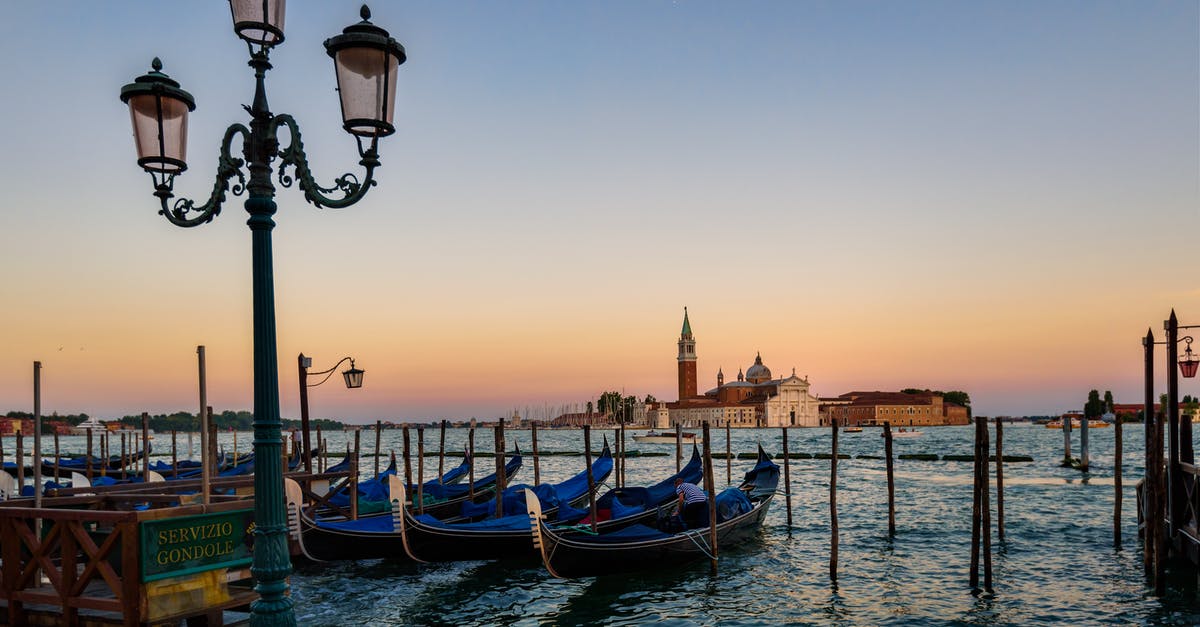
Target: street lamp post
x,y
353,377
365,59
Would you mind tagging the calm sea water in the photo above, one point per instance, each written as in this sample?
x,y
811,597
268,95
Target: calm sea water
x,y
1056,566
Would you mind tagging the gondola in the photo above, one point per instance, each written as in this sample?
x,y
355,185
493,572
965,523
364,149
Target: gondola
x,y
80,463
375,536
740,512
427,539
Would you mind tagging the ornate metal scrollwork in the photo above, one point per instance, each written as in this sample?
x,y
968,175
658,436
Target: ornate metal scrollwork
x,y
228,167
351,188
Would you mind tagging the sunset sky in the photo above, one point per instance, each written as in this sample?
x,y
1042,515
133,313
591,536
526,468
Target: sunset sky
x,y
994,197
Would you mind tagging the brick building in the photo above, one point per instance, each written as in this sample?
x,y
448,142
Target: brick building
x,y
898,408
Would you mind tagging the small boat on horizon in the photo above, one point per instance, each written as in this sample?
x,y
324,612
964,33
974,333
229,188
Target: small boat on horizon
x,y
851,429
654,437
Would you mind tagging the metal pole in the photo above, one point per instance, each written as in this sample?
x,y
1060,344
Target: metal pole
x,y
205,459
37,437
302,363
1175,497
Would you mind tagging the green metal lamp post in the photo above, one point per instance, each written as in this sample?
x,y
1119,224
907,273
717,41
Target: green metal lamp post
x,y
366,59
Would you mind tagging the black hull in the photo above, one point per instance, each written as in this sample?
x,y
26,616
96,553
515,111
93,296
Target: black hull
x,y
567,557
329,545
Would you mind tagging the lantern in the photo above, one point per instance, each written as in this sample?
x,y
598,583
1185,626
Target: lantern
x,y
365,58
353,376
258,21
158,110
1187,365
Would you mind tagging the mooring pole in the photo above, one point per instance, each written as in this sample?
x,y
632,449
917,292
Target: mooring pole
x,y
103,453
1000,478
471,467
57,456
1116,484
378,436
985,484
678,447
787,479
408,482
321,463
20,456
124,455
976,498
1083,443
711,488
352,484
624,456
37,442
174,455
1066,428
833,517
728,456
591,479
616,473
145,446
89,454
205,460
501,480
891,481
537,471
1148,437
442,450
1176,500
420,470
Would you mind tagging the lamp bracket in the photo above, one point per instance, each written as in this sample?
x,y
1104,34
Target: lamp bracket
x,y
351,188
329,373
228,167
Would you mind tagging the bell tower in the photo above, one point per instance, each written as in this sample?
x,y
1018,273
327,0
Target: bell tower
x,y
687,360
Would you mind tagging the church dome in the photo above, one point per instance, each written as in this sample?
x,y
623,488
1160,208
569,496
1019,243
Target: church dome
x,y
758,373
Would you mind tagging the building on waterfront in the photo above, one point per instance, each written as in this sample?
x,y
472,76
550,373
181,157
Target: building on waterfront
x,y
898,408
13,426
754,399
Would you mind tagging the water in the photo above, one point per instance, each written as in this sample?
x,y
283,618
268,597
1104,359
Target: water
x,y
1057,565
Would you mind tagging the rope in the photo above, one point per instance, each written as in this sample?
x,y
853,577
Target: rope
x,y
703,548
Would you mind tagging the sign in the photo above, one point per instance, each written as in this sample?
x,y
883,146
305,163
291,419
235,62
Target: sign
x,y
191,544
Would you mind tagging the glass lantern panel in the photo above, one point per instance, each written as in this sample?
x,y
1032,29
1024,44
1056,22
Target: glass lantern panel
x,y
249,12
1188,368
367,83
170,154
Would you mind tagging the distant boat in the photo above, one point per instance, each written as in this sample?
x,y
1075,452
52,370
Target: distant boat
x,y
653,437
1092,424
904,432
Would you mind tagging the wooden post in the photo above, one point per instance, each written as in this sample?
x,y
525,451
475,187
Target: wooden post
x,y
320,451
616,472
975,508
420,470
1162,504
174,455
986,506
378,433
728,456
537,471
471,468
1000,478
408,482
833,520
104,453
235,449
145,446
711,488
1066,429
501,480
89,455
124,455
1083,443
787,479
624,457
1116,485
57,456
587,460
20,455
2,449
1148,550
678,447
442,451
891,480
352,482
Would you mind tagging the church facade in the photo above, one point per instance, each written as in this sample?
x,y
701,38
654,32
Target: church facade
x,y
754,399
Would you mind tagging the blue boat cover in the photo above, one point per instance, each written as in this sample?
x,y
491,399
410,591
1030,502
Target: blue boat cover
x,y
516,522
765,475
732,503
551,495
632,533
